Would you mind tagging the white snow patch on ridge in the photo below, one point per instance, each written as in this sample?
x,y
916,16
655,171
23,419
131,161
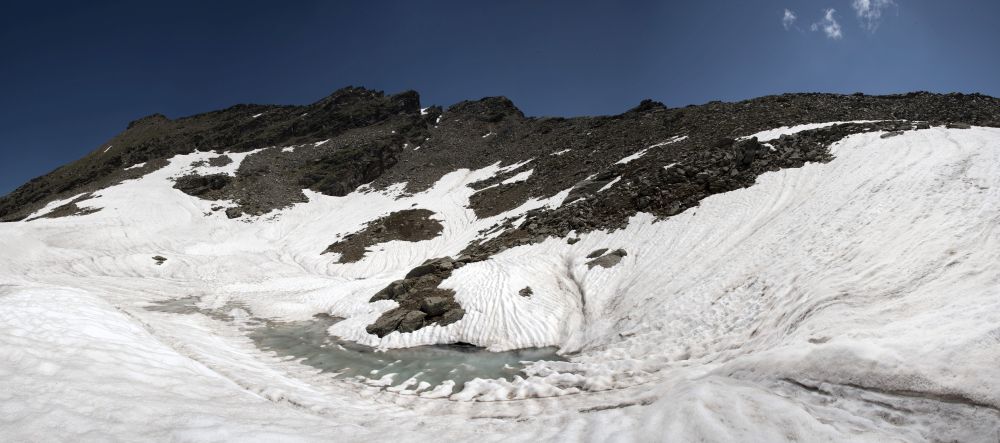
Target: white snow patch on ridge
x,y
643,152
610,184
774,134
519,177
206,169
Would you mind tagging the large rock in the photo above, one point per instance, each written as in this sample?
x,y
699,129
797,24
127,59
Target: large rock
x,y
452,316
608,260
434,306
198,185
387,322
421,301
411,321
394,291
435,266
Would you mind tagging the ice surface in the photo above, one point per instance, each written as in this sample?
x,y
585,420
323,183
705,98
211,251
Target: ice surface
x,y
857,300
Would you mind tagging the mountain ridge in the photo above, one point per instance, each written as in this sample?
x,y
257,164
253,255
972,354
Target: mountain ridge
x,y
363,113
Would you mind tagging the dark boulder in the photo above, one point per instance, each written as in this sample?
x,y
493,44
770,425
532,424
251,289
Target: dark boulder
x,y
434,306
411,321
445,264
608,260
387,322
597,253
452,316
199,185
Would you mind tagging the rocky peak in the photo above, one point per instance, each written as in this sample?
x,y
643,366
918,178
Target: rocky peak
x,y
151,119
353,97
648,105
487,109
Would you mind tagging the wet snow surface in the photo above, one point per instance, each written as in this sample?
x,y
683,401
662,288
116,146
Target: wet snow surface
x,y
416,370
857,300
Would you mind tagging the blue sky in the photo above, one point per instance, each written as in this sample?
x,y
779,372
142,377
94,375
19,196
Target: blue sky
x,y
74,74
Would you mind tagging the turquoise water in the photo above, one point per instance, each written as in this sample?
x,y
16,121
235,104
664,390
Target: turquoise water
x,y
309,342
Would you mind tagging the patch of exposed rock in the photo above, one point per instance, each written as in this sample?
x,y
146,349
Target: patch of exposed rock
x,y
421,301
352,117
605,259
219,161
70,209
208,186
409,225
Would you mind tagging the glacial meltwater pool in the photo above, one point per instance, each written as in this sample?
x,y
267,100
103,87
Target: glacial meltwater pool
x,y
309,343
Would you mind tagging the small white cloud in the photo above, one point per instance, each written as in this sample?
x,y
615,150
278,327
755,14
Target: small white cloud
x,y
828,25
789,19
870,12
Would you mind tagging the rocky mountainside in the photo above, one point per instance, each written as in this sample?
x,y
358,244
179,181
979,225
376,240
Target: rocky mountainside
x,y
798,267
651,159
358,136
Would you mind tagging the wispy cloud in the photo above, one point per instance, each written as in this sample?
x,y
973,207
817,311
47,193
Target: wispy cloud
x,y
870,12
789,19
828,25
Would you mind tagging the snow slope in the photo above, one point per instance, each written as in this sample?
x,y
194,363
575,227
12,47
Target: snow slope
x,y
857,300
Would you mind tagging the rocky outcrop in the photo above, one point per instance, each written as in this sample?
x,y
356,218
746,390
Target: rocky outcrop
x,y
606,260
241,128
202,185
409,225
70,209
421,302
222,160
612,167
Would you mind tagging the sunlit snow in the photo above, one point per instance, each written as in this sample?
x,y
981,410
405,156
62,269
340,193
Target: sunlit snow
x,y
856,300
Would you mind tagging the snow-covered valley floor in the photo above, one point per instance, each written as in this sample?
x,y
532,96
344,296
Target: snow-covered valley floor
x,y
857,300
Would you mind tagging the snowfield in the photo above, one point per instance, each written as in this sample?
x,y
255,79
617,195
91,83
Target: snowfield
x,y
857,300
